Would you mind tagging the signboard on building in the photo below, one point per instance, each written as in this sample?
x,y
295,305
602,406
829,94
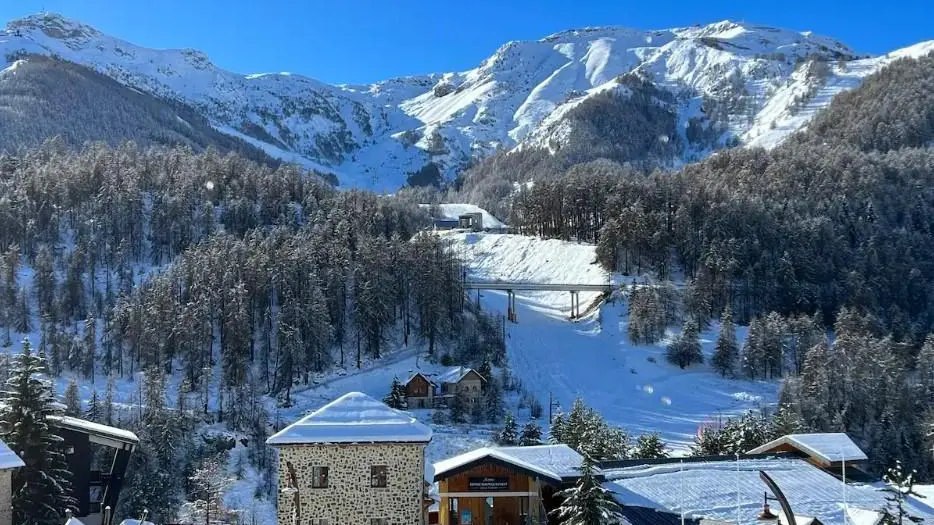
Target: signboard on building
x,y
488,484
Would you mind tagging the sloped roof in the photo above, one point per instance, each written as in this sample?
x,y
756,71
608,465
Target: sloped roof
x,y
710,489
858,516
95,429
353,418
828,447
416,374
8,458
454,375
555,462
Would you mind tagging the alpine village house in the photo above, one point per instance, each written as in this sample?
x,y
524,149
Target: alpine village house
x,y
354,461
422,391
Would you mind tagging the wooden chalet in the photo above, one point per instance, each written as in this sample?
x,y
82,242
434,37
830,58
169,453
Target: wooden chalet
x,y
505,485
419,391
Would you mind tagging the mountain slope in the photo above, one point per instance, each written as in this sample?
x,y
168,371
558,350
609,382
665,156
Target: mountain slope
x,y
42,97
720,84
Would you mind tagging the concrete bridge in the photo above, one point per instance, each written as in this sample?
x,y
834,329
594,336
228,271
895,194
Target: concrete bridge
x,y
511,287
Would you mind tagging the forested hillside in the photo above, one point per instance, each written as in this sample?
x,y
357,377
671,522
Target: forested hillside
x,y
230,280
43,97
833,228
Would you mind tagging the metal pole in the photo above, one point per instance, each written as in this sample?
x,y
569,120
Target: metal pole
x,y
845,509
681,503
737,489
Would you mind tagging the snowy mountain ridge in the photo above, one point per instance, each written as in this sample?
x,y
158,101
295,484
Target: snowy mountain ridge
x,y
741,83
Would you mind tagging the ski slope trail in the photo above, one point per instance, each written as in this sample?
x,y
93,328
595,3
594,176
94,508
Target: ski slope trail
x,y
630,385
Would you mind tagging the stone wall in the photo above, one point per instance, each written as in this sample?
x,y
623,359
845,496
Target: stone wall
x,y
348,498
6,497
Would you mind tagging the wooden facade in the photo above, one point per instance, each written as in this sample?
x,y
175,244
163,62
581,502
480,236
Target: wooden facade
x,y
491,493
418,386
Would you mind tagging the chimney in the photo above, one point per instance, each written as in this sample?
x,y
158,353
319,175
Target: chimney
x,y
766,514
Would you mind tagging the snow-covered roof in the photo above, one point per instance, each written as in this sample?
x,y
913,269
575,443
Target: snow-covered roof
x,y
710,489
106,434
857,516
828,447
452,212
73,521
416,374
457,373
8,458
555,462
135,522
353,418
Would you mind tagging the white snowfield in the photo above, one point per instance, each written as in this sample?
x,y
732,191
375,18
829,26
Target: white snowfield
x,y
630,385
374,135
353,418
727,490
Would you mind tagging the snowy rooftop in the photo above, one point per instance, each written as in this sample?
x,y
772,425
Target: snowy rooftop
x,y
451,212
95,429
829,447
8,458
710,489
551,461
353,418
455,374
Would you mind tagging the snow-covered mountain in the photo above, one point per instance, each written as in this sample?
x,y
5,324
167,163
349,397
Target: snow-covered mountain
x,y
727,83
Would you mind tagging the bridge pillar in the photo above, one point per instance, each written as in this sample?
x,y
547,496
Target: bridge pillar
x,y
575,304
511,308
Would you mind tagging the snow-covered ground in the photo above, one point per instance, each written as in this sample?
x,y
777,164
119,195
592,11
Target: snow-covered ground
x,y
631,385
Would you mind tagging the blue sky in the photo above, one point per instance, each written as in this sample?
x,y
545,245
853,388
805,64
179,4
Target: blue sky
x,y
351,41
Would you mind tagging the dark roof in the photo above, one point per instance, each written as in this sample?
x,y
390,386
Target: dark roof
x,y
646,516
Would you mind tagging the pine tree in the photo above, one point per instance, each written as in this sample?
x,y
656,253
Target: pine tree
x,y
531,434
493,400
41,489
72,400
926,369
509,435
726,352
477,413
588,503
899,485
107,411
396,396
649,446
94,412
686,349
458,408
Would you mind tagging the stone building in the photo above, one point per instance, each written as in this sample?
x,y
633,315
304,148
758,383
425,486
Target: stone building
x,y
8,461
422,391
352,461
462,380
